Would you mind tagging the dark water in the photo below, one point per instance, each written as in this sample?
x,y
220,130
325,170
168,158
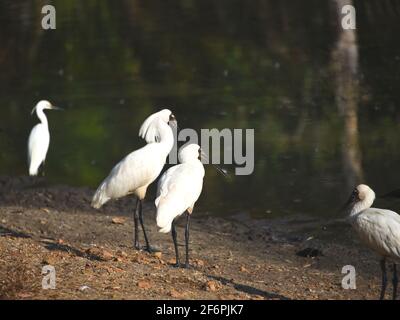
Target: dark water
x,y
325,104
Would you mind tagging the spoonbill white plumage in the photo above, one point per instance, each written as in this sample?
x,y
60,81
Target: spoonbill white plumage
x,y
134,173
39,138
178,190
379,229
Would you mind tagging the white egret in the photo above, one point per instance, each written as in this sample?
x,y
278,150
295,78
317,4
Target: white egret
x,y
134,173
39,138
178,190
379,229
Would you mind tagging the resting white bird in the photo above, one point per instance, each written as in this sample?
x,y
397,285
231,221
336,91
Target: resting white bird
x,y
134,173
178,190
379,229
39,138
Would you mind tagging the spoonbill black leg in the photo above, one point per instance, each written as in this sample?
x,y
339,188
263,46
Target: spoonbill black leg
x,y
187,239
395,281
136,222
42,169
148,248
384,278
173,232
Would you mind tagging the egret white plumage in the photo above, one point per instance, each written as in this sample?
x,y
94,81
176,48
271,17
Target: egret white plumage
x,y
178,190
39,138
134,173
379,229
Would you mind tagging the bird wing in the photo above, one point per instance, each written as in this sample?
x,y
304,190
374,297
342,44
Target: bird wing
x,y
138,169
38,144
380,229
164,182
387,213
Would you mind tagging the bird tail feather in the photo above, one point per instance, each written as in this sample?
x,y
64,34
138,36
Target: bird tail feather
x,y
164,220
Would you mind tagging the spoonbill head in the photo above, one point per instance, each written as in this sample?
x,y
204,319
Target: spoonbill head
x,y
150,129
362,197
189,153
379,229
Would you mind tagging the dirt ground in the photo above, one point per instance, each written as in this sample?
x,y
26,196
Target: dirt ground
x,y
238,258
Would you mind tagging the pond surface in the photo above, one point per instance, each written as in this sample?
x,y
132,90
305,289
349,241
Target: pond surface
x,y
324,103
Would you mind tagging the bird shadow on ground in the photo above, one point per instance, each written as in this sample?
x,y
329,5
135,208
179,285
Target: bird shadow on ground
x,y
248,289
12,233
4,232
66,248
39,193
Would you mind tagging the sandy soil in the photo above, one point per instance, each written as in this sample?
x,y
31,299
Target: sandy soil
x,y
235,258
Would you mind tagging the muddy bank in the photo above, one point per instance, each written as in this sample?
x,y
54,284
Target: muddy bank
x,y
237,258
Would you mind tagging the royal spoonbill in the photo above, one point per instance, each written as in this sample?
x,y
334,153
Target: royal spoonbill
x,y
379,229
177,192
39,138
134,173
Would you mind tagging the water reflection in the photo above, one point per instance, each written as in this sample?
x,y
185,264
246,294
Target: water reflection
x,y
281,68
345,66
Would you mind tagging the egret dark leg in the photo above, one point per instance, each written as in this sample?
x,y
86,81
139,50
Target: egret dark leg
x,y
384,278
148,248
395,281
41,169
187,239
173,232
136,222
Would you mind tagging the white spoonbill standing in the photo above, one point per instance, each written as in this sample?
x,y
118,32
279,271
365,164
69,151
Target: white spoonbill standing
x,y
39,138
134,173
379,229
178,190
